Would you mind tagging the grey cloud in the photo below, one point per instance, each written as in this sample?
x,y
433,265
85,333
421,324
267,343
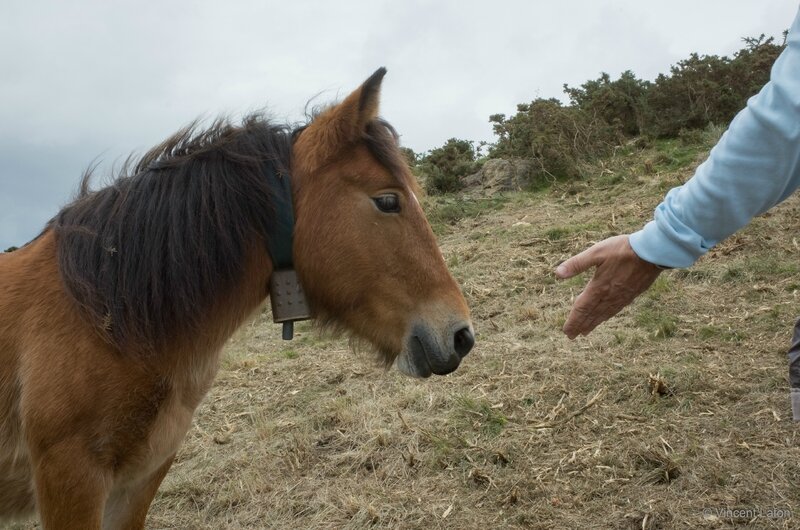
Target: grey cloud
x,y
82,80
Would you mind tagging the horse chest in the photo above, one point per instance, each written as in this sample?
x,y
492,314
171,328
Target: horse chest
x,y
16,476
175,414
166,434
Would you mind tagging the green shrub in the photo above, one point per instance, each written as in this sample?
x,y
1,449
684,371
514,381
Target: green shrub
x,y
410,156
707,89
692,103
560,139
619,103
443,168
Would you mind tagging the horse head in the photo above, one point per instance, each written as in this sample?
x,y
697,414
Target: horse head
x,y
363,249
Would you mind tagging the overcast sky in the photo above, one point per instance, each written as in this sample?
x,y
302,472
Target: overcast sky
x,y
84,81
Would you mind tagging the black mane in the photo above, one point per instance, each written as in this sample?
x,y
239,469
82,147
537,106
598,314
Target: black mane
x,y
148,255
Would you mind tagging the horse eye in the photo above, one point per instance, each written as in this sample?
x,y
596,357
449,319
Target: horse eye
x,y
388,203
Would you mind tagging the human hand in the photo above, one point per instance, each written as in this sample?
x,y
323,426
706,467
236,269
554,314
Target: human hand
x,y
620,277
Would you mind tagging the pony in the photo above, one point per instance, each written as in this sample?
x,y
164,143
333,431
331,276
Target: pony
x,y
113,319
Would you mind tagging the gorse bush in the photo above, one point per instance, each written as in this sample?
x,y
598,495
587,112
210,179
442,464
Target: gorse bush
x,y
444,168
699,93
708,89
558,138
409,156
619,103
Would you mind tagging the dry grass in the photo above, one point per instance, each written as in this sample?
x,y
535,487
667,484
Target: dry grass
x,y
679,405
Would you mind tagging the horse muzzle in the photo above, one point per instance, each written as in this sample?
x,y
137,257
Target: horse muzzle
x,y
430,352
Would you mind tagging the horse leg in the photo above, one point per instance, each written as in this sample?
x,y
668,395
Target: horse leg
x,y
129,510
71,489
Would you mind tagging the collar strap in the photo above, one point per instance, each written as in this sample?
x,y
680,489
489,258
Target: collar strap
x,y
281,233
286,294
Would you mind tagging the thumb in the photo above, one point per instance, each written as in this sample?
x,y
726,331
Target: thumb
x,y
579,263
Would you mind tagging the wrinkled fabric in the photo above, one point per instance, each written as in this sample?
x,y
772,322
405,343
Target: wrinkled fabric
x,y
794,358
755,165
794,371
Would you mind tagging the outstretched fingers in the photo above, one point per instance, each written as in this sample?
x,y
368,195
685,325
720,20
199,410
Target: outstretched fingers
x,y
619,278
586,312
579,263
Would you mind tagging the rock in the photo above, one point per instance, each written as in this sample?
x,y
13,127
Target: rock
x,y
500,175
473,181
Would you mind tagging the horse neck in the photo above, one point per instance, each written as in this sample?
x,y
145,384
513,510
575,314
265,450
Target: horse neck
x,y
191,363
231,311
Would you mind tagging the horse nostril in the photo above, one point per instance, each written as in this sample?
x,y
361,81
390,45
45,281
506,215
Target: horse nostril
x,y
464,341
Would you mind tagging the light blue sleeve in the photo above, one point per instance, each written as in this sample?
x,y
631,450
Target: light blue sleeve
x,y
755,165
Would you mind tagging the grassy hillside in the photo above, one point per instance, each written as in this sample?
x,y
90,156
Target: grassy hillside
x,y
677,408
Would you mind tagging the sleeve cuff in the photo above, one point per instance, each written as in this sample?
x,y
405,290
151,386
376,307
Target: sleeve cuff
x,y
654,246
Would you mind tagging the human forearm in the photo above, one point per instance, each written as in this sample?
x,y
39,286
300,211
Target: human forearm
x,y
755,165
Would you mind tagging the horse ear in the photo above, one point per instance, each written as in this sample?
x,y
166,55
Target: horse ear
x,y
340,125
369,97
